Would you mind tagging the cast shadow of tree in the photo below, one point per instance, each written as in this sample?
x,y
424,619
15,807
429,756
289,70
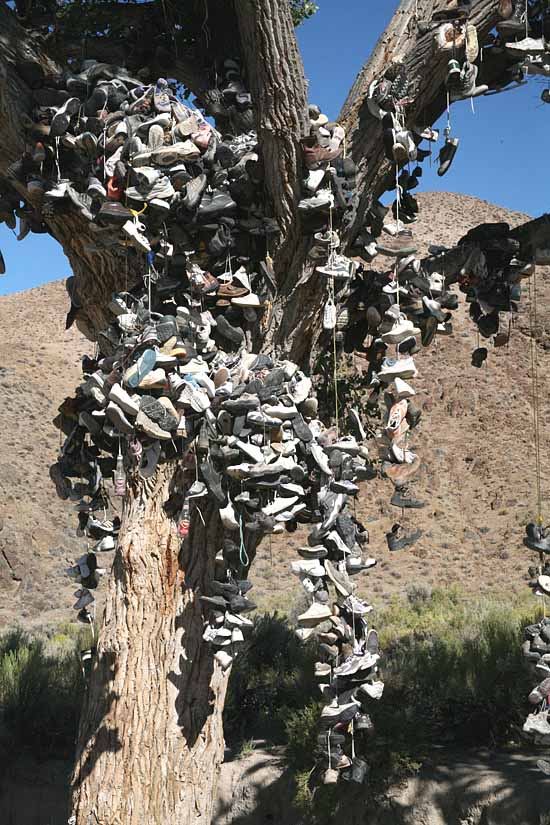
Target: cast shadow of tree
x,y
106,738
498,787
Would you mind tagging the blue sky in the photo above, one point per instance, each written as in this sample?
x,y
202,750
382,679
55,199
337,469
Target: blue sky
x,y
499,157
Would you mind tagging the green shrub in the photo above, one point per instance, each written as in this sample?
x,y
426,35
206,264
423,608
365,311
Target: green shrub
x,y
270,678
40,697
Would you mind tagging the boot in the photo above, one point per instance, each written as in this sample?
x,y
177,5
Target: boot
x,y
516,24
402,498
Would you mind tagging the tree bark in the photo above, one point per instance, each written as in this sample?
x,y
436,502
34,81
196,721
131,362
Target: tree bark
x,y
401,41
151,736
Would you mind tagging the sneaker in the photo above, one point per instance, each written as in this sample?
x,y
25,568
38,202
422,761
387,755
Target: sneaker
x,y
135,232
363,661
341,581
397,368
371,690
466,86
537,723
446,155
310,567
357,607
314,615
402,390
223,659
399,541
339,713
401,329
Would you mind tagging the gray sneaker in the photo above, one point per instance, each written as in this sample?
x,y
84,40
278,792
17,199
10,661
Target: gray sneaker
x,y
341,581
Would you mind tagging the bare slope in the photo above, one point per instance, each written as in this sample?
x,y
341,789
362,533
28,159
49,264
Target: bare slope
x,y
475,440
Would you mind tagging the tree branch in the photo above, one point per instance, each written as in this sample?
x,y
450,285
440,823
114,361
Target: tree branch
x,y
403,41
279,90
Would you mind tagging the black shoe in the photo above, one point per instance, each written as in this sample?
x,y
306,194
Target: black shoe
x,y
402,498
428,327
215,602
213,480
398,541
414,414
479,355
449,300
215,205
301,429
224,589
233,334
446,155
240,604
408,345
516,24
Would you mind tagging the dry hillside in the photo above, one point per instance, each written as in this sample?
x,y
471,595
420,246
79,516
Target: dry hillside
x,y
475,441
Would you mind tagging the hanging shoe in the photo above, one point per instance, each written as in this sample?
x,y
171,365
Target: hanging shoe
x,y
516,24
446,155
466,86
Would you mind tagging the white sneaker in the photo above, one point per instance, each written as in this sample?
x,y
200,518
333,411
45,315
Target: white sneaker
x,y
437,283
132,230
402,328
434,308
236,620
321,459
329,315
402,390
195,398
393,368
529,45
250,300
339,267
124,400
280,411
223,659
403,456
393,227
308,567
105,544
227,516
373,689
314,179
278,505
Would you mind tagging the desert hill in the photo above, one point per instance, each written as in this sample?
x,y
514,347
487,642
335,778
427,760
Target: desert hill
x,y
475,440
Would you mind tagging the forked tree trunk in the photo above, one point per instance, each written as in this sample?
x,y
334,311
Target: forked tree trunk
x,y
151,739
151,736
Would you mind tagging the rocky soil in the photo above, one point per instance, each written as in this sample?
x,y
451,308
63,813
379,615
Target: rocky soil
x,y
475,440
452,788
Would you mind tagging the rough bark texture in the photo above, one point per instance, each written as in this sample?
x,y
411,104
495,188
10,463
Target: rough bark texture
x,y
151,736
279,89
401,41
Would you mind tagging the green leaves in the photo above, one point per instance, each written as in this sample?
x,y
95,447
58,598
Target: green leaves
x,y
302,10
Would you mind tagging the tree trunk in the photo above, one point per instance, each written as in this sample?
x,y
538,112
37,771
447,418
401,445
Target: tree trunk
x,y
151,737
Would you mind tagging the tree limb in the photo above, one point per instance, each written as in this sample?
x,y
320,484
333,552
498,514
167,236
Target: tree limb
x,y
403,41
279,91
